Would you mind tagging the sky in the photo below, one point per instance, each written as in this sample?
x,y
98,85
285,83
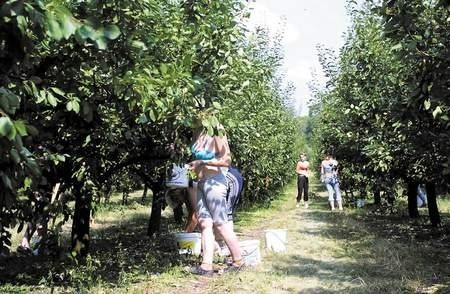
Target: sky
x,y
305,24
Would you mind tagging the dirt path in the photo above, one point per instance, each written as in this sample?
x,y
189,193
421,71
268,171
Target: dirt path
x,y
313,262
330,252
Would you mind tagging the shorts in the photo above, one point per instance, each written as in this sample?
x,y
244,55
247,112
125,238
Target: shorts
x,y
211,199
235,185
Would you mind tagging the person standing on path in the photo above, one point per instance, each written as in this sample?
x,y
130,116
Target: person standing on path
x,y
329,175
211,153
302,180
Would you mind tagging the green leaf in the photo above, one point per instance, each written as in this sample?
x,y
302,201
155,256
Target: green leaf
x,y
437,111
20,127
101,43
15,155
54,29
68,25
12,134
86,32
163,68
76,106
427,104
60,158
138,44
142,119
51,99
6,181
32,130
42,96
87,140
22,24
152,115
9,101
214,122
217,105
397,47
112,32
32,166
210,130
58,91
73,105
6,126
27,182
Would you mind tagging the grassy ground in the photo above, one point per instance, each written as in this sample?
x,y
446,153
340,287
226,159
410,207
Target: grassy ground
x,y
355,251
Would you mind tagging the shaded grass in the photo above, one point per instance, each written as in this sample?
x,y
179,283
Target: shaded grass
x,y
121,254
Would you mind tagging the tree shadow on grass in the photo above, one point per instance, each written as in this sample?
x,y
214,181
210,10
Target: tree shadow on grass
x,y
380,248
384,224
342,274
119,255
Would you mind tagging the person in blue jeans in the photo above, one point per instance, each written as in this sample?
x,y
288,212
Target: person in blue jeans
x,y
329,175
421,195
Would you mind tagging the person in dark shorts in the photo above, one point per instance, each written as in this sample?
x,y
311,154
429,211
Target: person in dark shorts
x,y
235,185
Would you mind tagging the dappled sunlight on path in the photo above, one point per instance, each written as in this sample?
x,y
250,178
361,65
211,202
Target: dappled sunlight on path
x,y
314,261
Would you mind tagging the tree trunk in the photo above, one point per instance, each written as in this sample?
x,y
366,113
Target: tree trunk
x,y
390,196
144,194
377,195
81,222
412,199
433,210
154,223
125,197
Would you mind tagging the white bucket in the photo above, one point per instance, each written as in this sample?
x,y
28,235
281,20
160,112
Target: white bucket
x,y
179,177
250,252
189,243
276,240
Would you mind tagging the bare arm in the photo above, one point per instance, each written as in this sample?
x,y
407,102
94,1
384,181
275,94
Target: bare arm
x,y
223,156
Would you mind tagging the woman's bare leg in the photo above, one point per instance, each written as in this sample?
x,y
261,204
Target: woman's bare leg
x,y
191,204
206,227
231,240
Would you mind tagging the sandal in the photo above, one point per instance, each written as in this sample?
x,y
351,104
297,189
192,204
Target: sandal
x,y
197,270
236,266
